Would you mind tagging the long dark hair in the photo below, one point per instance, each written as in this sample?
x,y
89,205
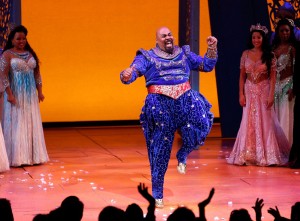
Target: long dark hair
x,y
277,40
9,44
267,54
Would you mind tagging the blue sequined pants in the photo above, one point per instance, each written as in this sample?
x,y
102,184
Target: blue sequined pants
x,y
160,118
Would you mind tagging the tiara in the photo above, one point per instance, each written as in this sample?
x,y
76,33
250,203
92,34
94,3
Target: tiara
x,y
259,27
291,21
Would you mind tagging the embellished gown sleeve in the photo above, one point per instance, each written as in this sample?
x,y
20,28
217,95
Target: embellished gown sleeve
x,y
4,71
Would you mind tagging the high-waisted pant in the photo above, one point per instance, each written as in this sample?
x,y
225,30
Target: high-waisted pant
x,y
160,118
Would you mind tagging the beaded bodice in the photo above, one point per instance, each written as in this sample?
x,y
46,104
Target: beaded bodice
x,y
22,62
285,62
18,64
256,70
14,64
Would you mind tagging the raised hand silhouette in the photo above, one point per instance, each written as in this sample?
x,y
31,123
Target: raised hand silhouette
x,y
259,203
203,204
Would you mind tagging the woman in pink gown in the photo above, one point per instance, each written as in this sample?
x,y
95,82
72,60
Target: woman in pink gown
x,y
260,140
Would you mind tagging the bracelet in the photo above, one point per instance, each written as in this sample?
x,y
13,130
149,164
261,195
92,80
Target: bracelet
x,y
211,52
38,82
212,47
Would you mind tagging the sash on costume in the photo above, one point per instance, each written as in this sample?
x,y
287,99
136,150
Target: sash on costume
x,y
173,91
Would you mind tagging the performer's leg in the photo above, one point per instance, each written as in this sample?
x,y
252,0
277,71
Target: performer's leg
x,y
197,125
157,121
159,155
190,141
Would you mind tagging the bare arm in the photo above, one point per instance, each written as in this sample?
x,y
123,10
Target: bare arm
x,y
4,69
38,82
290,91
259,203
276,214
242,96
143,190
270,101
203,204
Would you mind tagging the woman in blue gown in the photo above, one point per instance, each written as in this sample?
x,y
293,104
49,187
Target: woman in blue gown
x,y
21,80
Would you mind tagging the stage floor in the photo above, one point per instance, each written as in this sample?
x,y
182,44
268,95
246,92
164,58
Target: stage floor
x,y
104,165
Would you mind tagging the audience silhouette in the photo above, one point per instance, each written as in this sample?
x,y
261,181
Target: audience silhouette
x,y
135,213
6,213
243,214
295,213
240,215
112,213
203,204
71,209
182,214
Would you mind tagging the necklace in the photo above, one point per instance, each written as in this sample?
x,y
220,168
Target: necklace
x,y
22,55
166,55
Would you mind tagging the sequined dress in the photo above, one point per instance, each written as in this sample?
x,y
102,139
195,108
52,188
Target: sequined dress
x,y
260,139
284,108
22,124
4,164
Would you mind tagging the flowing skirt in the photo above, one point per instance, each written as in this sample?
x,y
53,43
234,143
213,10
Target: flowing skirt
x,y
284,108
260,140
22,124
4,164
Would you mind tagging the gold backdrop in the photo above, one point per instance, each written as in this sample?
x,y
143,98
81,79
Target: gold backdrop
x,y
83,46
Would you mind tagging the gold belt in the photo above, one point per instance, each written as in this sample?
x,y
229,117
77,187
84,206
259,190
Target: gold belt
x,y
173,91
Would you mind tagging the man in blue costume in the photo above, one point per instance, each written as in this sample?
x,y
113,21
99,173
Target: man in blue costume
x,y
171,104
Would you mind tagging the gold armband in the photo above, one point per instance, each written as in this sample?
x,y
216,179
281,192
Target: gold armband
x,y
211,52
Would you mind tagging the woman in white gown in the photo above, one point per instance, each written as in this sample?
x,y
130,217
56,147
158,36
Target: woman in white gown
x,y
4,165
283,46
22,125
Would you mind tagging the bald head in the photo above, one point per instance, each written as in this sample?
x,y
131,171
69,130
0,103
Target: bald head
x,y
162,30
164,39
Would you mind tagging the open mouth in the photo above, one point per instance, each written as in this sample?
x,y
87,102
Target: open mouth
x,y
169,43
